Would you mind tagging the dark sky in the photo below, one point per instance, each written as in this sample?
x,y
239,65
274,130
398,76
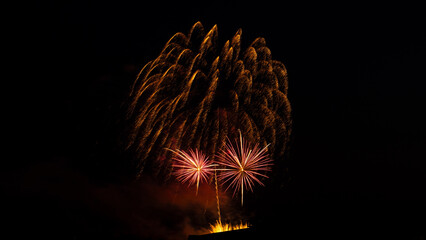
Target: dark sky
x,y
356,84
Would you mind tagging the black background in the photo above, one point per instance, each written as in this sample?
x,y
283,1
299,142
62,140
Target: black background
x,y
356,84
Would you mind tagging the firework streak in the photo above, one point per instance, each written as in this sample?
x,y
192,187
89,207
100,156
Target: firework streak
x,y
195,94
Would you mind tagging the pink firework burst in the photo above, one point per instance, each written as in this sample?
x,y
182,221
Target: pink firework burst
x,y
243,165
193,167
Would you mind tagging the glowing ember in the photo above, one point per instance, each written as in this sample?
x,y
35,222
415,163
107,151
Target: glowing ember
x,y
219,227
192,167
243,164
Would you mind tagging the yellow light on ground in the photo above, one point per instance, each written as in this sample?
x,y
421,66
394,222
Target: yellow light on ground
x,y
220,227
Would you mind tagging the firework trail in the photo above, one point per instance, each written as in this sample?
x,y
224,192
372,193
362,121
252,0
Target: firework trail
x,y
192,167
243,165
219,217
195,94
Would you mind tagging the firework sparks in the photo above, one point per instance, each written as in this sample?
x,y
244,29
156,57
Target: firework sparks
x,y
193,167
223,227
243,165
197,92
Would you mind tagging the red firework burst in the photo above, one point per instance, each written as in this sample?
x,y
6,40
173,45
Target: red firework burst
x,y
193,167
243,165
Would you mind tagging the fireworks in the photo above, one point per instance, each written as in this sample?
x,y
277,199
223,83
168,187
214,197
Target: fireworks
x,y
243,165
220,227
196,93
192,167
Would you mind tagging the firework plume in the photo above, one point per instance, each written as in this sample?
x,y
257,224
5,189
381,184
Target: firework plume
x,y
196,93
192,167
243,164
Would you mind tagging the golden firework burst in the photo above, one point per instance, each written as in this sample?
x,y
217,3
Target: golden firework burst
x,y
195,94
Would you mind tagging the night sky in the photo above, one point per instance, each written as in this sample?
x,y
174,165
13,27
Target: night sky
x,y
356,85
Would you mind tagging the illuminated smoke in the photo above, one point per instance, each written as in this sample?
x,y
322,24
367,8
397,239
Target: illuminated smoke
x,y
195,94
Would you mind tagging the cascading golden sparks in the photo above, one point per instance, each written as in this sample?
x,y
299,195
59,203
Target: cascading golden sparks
x,y
195,95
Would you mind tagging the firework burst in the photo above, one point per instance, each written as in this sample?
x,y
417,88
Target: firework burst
x,y
198,91
243,165
193,167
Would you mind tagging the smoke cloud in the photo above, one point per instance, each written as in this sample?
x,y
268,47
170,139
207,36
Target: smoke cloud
x,y
55,200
